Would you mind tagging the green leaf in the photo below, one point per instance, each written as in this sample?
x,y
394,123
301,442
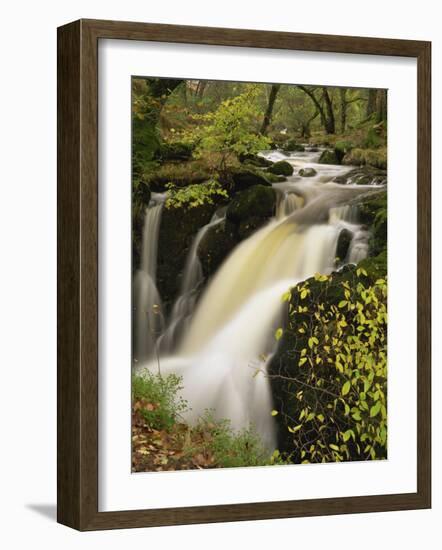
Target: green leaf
x,y
346,388
274,413
375,409
342,303
278,334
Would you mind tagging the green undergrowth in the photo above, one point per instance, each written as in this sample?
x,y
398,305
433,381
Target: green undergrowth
x,y
162,440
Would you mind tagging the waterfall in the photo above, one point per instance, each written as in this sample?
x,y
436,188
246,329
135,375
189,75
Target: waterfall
x,y
148,316
193,278
220,338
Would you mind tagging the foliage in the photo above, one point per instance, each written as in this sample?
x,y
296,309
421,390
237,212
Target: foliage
x,y
162,441
230,130
194,195
338,409
157,398
372,157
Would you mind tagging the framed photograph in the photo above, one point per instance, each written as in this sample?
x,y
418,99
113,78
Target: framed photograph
x,y
243,275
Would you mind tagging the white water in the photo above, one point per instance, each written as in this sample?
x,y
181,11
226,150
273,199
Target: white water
x,y
229,337
148,318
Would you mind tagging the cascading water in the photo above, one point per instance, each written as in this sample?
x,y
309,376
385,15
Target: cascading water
x,y
148,317
193,278
225,349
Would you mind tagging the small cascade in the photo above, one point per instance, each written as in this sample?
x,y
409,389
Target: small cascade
x,y
287,203
148,316
193,278
220,338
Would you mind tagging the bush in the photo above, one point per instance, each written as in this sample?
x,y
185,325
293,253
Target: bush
x,y
158,400
194,195
233,449
337,378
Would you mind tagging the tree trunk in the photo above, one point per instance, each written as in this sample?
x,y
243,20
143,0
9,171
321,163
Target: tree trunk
x,y
371,102
330,123
269,111
343,97
381,105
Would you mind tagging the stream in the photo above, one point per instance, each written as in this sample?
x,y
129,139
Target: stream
x,y
220,338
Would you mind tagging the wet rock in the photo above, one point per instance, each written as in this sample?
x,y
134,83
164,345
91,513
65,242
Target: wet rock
x,y
216,245
246,177
257,201
344,240
365,175
177,231
329,157
307,172
282,168
373,213
255,160
292,145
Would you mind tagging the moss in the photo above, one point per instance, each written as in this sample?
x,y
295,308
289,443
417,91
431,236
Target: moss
x,y
329,157
307,172
371,157
292,145
282,168
376,267
244,178
257,201
373,212
255,160
217,243
177,231
364,175
174,151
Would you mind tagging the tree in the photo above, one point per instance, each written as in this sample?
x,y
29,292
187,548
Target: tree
x,y
324,105
230,131
269,111
148,98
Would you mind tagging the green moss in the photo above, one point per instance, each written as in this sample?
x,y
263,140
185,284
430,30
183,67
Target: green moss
x,y
257,201
329,157
282,168
372,157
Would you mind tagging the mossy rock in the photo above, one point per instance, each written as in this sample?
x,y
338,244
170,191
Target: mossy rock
x,y
274,178
307,172
329,157
371,157
342,148
281,168
257,201
344,240
365,175
373,212
255,160
177,231
292,145
216,245
177,151
247,177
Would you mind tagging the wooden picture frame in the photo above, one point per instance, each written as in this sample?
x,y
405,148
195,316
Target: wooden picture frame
x,y
78,274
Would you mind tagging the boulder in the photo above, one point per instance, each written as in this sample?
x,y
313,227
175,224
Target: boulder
x,y
244,178
329,157
255,202
177,231
216,245
255,160
307,172
365,175
291,145
174,151
344,240
282,168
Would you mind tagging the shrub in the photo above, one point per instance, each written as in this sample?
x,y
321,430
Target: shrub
x,y
194,195
158,400
337,384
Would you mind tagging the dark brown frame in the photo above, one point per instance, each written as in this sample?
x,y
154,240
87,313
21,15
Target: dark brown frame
x,y
78,274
